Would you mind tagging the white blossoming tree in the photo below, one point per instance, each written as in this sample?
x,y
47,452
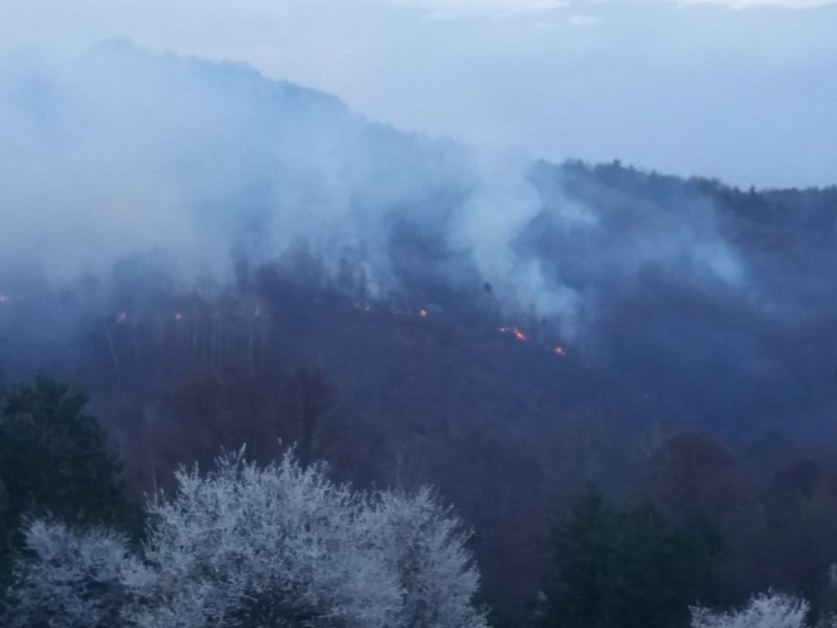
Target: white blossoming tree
x,y
771,610
280,546
75,579
427,548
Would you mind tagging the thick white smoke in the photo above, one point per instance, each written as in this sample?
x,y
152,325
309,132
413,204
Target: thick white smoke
x,y
127,155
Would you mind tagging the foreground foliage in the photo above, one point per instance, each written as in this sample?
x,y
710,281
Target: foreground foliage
x,y
771,610
626,566
54,458
47,421
244,545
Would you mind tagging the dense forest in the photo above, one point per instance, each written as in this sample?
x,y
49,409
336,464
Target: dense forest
x,y
623,382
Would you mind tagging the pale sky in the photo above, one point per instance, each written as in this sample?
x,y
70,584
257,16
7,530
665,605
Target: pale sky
x,y
743,90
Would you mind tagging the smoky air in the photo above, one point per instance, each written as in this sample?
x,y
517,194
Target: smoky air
x,y
221,258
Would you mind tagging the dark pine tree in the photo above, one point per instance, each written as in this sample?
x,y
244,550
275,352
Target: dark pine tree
x,y
627,567
55,461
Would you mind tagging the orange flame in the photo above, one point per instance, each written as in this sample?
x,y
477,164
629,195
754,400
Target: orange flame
x,y
516,332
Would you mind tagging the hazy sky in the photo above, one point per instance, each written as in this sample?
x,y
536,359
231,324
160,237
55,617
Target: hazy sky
x,y
744,90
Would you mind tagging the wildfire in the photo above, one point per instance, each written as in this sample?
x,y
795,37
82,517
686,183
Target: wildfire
x,y
522,337
515,332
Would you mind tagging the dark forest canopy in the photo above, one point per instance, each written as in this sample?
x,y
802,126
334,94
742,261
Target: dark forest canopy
x,y
423,386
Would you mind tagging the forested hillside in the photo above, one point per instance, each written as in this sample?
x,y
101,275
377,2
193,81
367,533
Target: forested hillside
x,y
546,344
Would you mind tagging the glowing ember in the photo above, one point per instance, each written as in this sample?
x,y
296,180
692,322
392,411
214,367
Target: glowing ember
x,y
516,332
122,317
559,350
422,313
5,298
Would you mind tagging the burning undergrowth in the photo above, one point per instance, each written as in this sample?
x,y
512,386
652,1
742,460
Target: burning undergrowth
x,y
154,201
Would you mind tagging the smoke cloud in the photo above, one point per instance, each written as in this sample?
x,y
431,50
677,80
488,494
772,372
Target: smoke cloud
x,y
192,166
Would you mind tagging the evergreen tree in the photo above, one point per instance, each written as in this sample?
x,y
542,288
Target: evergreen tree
x,y
54,461
639,588
576,588
54,457
626,567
